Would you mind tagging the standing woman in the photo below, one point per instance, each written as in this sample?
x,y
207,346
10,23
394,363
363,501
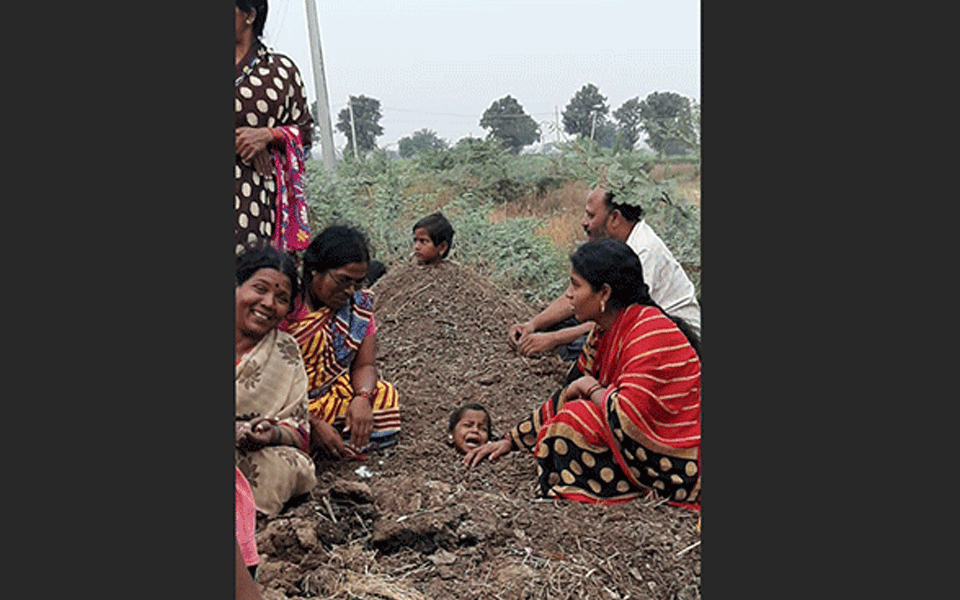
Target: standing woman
x,y
273,125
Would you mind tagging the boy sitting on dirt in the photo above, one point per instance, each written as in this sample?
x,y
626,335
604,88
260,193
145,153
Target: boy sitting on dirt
x,y
469,427
432,238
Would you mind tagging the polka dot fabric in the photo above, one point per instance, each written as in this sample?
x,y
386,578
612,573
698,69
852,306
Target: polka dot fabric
x,y
579,465
269,94
645,434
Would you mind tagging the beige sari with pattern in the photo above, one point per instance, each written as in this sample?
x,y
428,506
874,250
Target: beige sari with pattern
x,y
271,382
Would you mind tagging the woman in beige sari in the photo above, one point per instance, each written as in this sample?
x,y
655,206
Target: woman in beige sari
x,y
273,432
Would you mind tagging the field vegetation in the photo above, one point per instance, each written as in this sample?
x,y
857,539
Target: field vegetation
x,y
517,217
412,523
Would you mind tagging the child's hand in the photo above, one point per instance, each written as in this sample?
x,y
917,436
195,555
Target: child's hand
x,y
492,449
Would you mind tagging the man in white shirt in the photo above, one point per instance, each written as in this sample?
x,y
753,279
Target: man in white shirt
x,y
669,285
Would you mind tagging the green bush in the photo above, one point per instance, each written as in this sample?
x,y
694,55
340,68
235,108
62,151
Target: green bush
x,y
477,176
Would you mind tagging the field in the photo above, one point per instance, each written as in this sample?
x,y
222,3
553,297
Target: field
x,y
411,522
517,218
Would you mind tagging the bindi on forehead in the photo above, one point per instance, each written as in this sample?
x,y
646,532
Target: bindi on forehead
x,y
276,280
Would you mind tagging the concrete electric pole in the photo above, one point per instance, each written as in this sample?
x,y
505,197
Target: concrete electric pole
x,y
353,129
320,83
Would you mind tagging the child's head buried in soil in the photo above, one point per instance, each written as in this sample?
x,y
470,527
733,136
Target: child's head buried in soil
x,y
470,426
432,238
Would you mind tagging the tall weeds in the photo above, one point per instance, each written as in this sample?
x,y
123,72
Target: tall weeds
x,y
517,218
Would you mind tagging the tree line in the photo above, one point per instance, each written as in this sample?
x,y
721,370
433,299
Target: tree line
x,y
669,121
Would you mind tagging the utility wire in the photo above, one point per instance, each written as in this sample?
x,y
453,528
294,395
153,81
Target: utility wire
x,y
439,114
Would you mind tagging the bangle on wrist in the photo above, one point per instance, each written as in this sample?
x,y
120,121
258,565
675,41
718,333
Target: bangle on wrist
x,y
593,390
279,440
364,394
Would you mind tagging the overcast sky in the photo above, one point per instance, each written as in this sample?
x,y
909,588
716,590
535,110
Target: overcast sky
x,y
439,64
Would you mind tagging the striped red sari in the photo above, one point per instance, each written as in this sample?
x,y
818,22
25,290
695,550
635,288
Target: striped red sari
x,y
644,436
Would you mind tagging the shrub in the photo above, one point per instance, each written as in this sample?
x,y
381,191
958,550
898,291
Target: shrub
x,y
505,208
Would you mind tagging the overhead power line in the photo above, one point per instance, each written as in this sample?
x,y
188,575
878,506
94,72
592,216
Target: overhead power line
x,y
444,114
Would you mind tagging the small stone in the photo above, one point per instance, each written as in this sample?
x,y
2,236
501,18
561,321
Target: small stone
x,y
356,491
446,572
442,557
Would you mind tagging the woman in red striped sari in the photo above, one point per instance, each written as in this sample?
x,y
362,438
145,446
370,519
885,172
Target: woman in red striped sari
x,y
628,420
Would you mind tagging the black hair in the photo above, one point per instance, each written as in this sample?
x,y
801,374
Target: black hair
x,y
456,415
375,271
612,262
438,228
260,6
265,256
332,248
630,212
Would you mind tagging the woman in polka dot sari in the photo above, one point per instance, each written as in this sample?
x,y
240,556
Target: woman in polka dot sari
x,y
628,421
273,125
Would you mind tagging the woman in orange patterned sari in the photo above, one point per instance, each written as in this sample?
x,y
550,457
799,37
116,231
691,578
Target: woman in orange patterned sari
x,y
352,410
628,420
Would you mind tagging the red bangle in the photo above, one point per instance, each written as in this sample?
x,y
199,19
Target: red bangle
x,y
363,394
277,134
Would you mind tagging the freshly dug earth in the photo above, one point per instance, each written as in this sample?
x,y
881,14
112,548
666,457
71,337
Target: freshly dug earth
x,y
410,522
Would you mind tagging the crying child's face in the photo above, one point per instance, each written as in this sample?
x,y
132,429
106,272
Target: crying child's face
x,y
471,430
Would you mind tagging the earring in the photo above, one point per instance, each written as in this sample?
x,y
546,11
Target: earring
x,y
249,21
603,306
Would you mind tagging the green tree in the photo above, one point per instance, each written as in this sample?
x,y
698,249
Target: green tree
x,y
421,141
506,121
584,111
605,133
667,119
628,123
366,117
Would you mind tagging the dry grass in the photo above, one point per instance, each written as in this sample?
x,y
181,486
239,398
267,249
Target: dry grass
x,y
351,572
563,229
439,195
675,170
560,211
685,175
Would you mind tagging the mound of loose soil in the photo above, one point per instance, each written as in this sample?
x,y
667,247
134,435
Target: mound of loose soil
x,y
411,523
